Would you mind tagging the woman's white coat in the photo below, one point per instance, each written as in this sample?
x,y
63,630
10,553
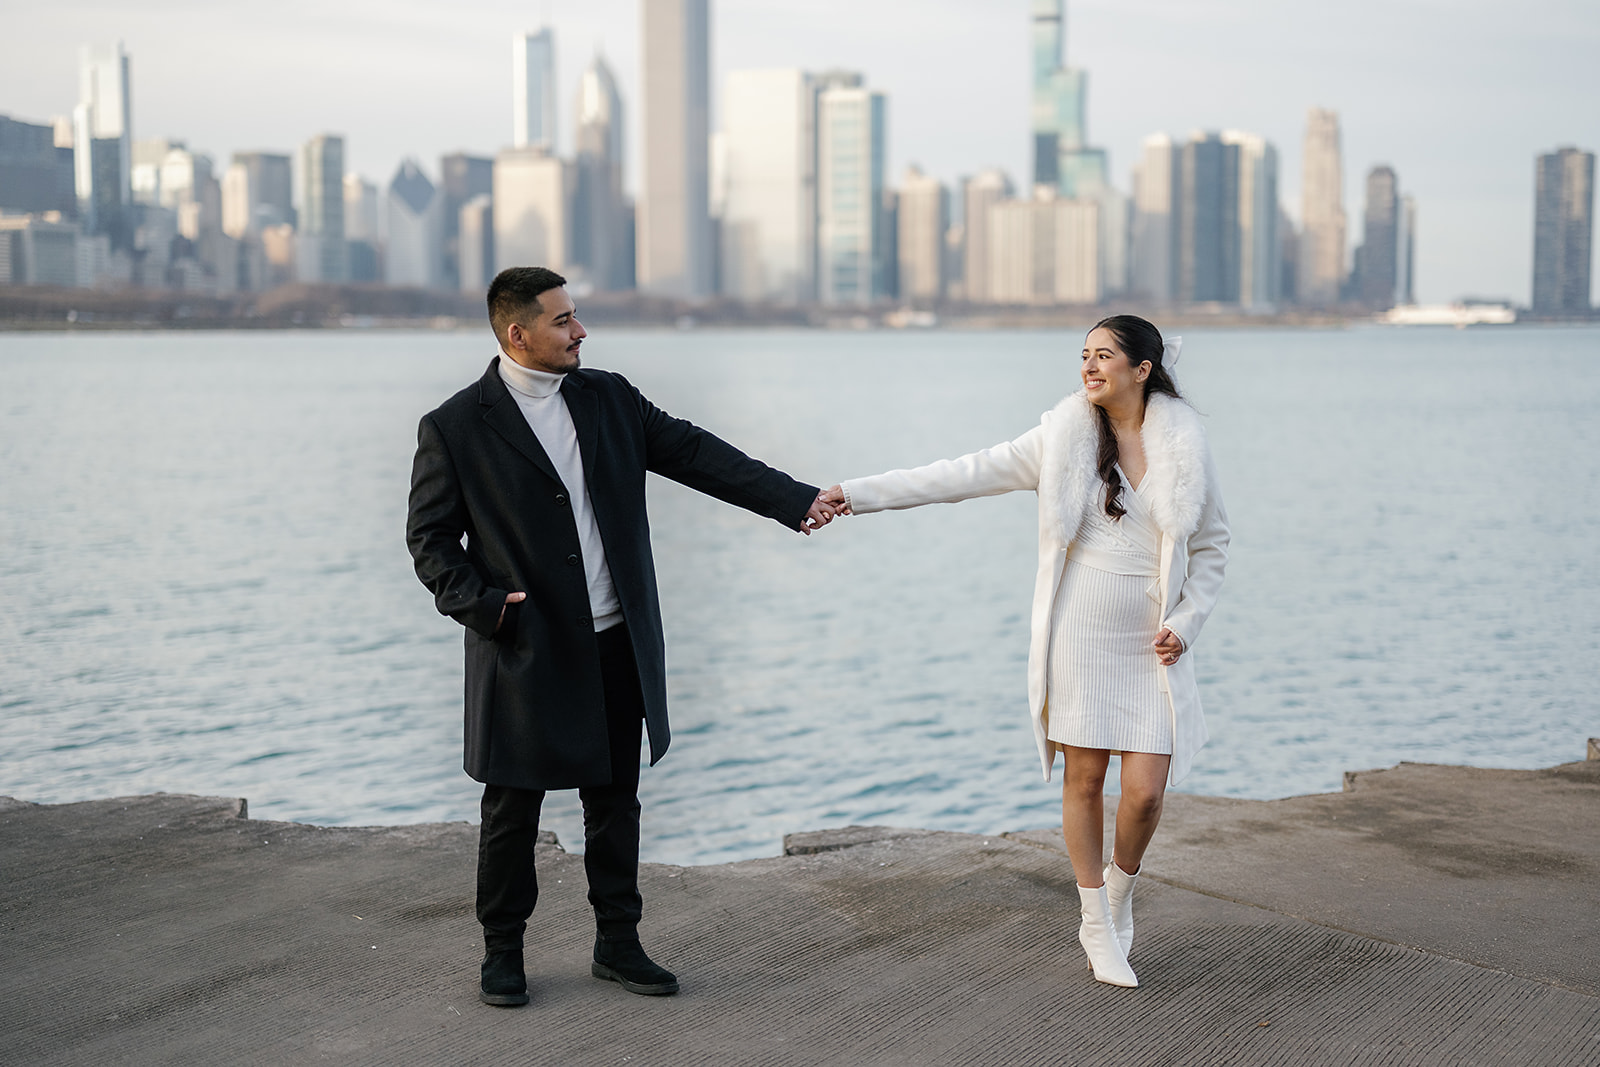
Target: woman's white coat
x,y
1057,459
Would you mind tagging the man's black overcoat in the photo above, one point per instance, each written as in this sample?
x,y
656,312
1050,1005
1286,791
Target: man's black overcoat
x,y
534,707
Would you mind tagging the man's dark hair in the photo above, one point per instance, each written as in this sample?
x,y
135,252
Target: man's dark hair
x,y
515,291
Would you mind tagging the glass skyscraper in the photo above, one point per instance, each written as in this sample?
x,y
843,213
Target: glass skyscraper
x,y
533,90
1062,158
322,256
1563,232
853,245
673,231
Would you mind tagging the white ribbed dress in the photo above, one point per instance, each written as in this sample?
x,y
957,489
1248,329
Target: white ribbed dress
x,y
1104,684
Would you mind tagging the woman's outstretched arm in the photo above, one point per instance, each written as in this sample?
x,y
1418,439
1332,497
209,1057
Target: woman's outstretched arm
x,y
1005,468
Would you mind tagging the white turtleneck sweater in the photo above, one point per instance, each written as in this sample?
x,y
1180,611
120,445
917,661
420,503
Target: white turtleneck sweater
x,y
538,395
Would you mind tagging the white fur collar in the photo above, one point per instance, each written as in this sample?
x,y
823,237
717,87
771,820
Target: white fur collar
x,y
1175,458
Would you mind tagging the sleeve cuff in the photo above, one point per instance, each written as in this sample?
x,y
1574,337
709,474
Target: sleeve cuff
x,y
1182,640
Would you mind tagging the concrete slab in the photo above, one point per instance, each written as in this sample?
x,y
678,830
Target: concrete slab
x,y
170,929
1499,868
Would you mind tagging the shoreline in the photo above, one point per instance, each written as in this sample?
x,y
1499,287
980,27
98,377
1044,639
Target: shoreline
x,y
365,307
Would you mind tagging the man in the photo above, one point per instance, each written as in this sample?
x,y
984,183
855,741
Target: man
x,y
540,468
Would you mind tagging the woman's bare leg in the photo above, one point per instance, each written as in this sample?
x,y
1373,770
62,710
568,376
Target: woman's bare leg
x,y
1144,788
1083,812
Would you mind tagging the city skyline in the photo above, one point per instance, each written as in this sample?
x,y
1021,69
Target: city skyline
x,y
1404,96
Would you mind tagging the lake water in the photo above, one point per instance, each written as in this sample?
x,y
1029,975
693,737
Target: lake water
x,y
205,585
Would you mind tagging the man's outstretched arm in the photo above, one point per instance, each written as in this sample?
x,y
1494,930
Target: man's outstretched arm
x,y
682,451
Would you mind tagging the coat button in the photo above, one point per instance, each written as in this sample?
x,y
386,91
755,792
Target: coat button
x,y
572,561
584,620
561,500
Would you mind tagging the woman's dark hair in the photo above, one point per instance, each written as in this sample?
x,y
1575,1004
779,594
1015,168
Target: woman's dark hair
x,y
1140,341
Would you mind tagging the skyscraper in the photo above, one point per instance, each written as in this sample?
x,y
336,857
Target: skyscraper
x,y
1152,273
1058,94
1405,291
853,229
1260,268
257,192
1206,218
1063,158
922,218
1043,250
769,209
1378,259
1563,232
415,251
601,243
35,174
674,224
1322,220
475,244
532,209
987,188
533,90
461,178
361,228
103,143
320,253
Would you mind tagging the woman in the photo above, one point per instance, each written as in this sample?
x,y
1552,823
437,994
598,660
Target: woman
x,y
1132,545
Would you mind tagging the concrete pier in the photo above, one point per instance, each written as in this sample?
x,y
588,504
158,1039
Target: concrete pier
x,y
1427,915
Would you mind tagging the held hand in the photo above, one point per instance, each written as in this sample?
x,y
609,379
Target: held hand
x,y
511,598
819,515
835,499
1167,646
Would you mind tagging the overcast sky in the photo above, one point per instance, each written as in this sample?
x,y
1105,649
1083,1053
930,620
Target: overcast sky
x,y
1457,95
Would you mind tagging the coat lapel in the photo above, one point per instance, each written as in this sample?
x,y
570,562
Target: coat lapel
x,y
506,419
1174,452
584,407
1067,475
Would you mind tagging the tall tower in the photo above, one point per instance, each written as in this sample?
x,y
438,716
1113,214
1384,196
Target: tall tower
x,y
1406,257
1152,244
257,192
854,246
1322,220
979,196
415,254
462,179
674,221
321,254
103,143
1378,260
1260,265
924,216
1063,160
769,214
533,90
600,241
1563,231
1207,219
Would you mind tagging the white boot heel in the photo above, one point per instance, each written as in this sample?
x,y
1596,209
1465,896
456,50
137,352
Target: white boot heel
x,y
1099,939
1119,894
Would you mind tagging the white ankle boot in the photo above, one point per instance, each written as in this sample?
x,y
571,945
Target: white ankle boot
x,y
1099,940
1119,893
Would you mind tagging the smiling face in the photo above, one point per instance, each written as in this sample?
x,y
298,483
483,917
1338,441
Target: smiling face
x,y
549,336
1110,379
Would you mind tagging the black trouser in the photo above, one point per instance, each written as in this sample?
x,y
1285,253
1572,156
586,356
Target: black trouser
x,y
507,885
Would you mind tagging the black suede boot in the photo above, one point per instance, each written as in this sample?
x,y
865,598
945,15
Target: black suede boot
x,y
503,983
623,961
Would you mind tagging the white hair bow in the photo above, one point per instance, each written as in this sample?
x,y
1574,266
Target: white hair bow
x,y
1171,349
